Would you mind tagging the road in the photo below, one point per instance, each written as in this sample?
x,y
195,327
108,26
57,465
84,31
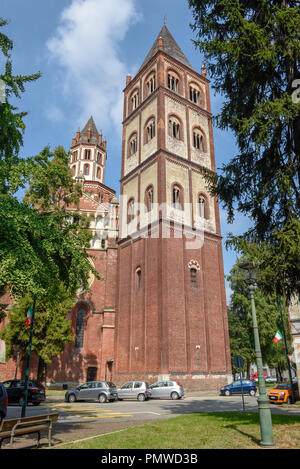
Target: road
x,y
83,419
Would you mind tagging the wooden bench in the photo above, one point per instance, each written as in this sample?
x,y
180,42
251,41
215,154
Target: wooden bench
x,y
10,428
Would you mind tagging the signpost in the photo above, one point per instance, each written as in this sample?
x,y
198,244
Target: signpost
x,y
239,363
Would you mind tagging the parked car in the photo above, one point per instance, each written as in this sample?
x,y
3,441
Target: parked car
x,y
15,391
166,390
271,379
247,386
103,391
134,390
3,402
282,393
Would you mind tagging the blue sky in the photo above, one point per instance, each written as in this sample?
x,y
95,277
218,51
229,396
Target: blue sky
x,y
84,50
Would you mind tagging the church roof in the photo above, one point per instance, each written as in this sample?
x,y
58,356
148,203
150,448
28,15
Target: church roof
x,y
90,125
170,47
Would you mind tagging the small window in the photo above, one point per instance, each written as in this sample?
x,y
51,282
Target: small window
x,y
173,82
174,128
203,210
194,95
134,100
151,84
132,147
193,277
80,323
138,279
98,157
150,130
198,141
177,197
149,198
75,156
99,173
130,210
86,170
87,154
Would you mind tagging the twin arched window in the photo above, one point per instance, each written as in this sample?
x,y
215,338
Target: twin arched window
x,y
149,198
199,139
203,208
149,130
177,197
175,128
173,81
130,210
132,145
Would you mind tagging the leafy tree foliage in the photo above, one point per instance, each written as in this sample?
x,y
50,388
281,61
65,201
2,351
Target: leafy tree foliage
x,y
252,53
42,245
241,327
52,330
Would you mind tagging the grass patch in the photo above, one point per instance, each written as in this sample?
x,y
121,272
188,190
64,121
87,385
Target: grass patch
x,y
219,430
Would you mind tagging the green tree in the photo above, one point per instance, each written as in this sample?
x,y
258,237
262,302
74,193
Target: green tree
x,y
241,327
252,52
52,330
40,248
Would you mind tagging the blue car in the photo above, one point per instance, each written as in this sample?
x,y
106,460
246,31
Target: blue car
x,y
237,387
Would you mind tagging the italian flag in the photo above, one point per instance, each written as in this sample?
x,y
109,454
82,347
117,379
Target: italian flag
x,y
277,337
29,317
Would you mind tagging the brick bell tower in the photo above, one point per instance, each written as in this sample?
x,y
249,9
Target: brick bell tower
x,y
171,320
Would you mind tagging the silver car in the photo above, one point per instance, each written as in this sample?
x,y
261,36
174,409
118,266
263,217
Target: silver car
x,y
134,390
102,391
166,390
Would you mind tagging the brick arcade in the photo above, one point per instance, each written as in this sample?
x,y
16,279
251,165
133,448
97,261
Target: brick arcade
x,y
160,310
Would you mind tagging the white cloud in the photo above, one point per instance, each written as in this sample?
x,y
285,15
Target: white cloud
x,y
86,47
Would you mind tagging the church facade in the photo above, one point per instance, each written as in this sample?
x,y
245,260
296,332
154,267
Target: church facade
x,y
159,311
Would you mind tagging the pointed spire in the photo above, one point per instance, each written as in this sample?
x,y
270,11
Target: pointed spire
x,y
89,133
170,47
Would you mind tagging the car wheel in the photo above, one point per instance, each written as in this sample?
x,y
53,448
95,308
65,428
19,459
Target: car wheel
x,y
102,398
252,392
174,396
36,403
72,398
227,392
141,397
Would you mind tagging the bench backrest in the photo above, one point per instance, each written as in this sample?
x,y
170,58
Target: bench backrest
x,y
8,424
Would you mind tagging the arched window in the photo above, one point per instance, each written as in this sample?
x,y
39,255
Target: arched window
x,y
194,93
87,154
80,323
193,277
134,100
138,278
199,141
203,208
149,198
175,128
75,155
132,145
130,210
177,197
86,170
98,157
173,81
150,84
149,131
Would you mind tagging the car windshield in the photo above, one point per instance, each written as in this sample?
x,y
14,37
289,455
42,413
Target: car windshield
x,y
283,386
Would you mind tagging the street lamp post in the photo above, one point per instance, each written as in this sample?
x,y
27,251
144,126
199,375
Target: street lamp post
x,y
265,417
